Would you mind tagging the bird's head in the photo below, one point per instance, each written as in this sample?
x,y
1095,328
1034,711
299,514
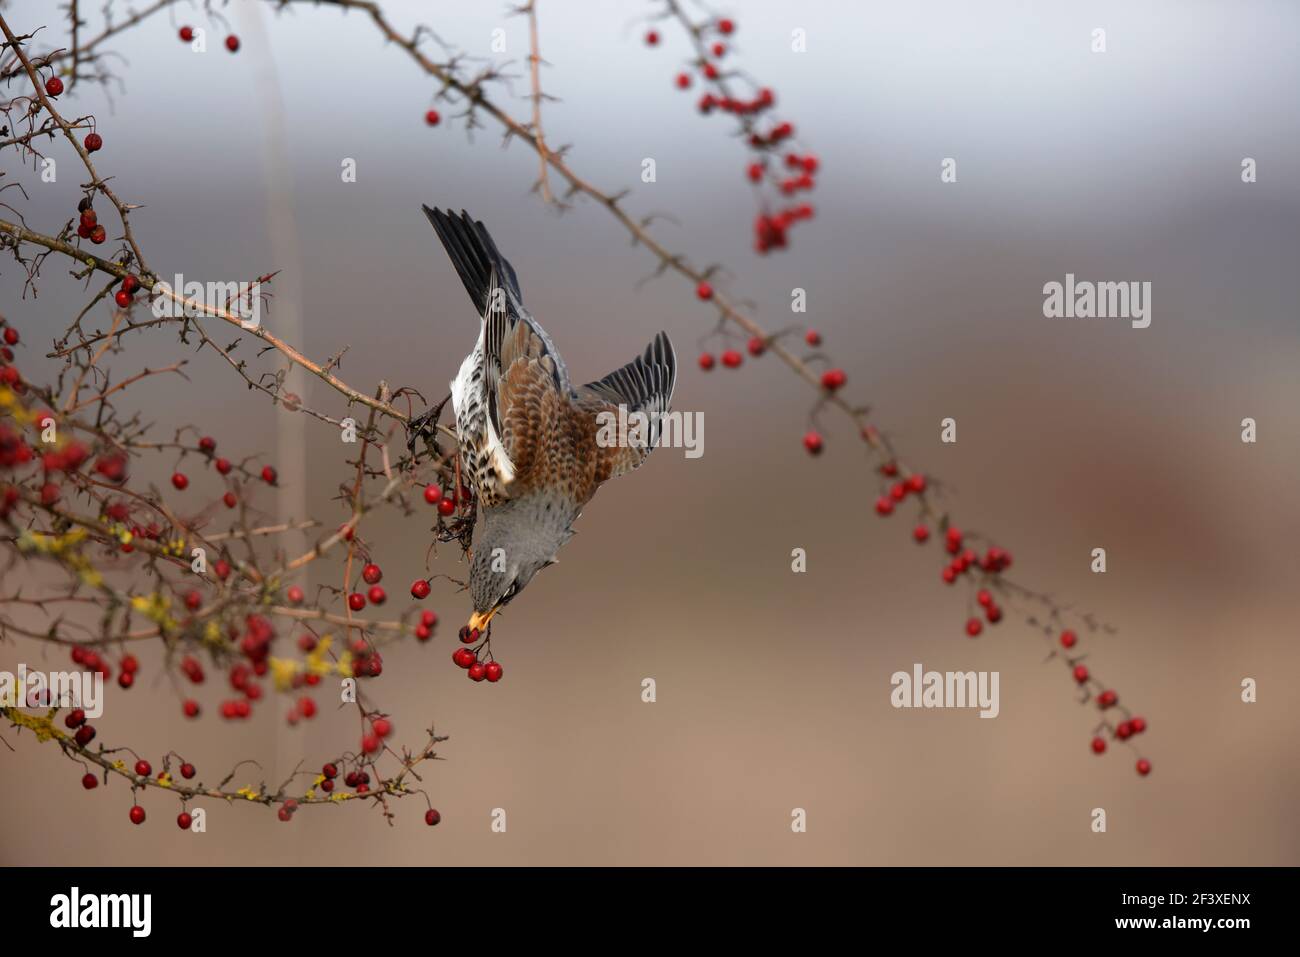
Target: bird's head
x,y
514,545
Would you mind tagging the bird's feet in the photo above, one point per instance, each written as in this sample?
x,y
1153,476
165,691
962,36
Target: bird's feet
x,y
425,426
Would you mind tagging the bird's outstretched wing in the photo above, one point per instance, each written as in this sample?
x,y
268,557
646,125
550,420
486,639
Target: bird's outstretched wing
x,y
515,372
644,386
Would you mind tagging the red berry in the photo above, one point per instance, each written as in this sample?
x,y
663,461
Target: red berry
x,y
468,635
732,359
183,820
984,597
1098,745
89,782
477,671
371,574
719,49
1123,731
493,671
1068,639
137,814
223,466
974,626
221,568
1144,767
356,601
833,379
294,595
180,481
812,337
464,658
428,618
432,817
921,533
420,589
98,235
898,491
1138,725
683,81
85,734
330,770
232,43
704,291
11,336
813,443
53,86
191,708
1080,674
125,679
884,505
757,346
432,117
711,72
143,769
1107,699
994,614
382,726
269,475
94,142
377,595
347,531
187,34
889,469
432,494
75,719
284,814
446,506
230,500
371,743
307,707
187,770
916,483
652,38
122,298
706,361
950,574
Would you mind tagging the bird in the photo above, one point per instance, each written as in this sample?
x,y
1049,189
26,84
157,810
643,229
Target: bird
x,y
530,442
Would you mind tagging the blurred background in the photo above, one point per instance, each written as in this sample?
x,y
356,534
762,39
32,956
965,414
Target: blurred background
x,y
773,688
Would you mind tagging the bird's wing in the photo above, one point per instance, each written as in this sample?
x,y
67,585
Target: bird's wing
x,y
520,364
645,386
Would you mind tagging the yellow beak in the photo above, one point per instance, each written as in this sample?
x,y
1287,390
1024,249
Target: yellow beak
x,y
480,622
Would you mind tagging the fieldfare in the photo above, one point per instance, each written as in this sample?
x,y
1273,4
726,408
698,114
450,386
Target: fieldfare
x,y
534,448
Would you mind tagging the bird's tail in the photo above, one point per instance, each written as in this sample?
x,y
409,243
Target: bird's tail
x,y
474,255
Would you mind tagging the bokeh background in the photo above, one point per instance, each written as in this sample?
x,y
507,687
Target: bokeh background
x,y
773,688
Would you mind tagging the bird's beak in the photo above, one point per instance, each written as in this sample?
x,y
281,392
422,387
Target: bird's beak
x,y
480,622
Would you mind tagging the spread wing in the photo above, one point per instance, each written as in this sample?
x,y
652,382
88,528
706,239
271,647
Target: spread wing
x,y
644,386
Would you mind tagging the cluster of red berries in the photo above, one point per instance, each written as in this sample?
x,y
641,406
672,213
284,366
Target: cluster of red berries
x,y
366,662
445,501
75,721
88,226
186,34
468,658
770,228
832,379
